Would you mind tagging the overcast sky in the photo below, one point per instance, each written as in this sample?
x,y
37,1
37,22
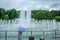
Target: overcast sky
x,y
30,4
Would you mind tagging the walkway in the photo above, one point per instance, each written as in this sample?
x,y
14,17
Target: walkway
x,y
48,35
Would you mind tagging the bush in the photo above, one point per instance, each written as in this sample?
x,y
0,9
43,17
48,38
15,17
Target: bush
x,y
57,18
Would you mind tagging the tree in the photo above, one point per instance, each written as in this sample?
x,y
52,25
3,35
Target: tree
x,y
6,17
13,13
42,14
2,13
57,18
9,14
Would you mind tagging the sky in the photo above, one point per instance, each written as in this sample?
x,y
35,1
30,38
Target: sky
x,y
30,4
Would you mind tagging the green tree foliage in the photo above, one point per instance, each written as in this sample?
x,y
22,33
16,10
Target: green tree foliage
x,y
6,17
13,13
57,18
55,12
9,14
2,13
42,14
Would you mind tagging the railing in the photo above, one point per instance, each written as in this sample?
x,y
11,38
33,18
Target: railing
x,y
43,33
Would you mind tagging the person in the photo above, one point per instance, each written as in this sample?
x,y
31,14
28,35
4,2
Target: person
x,y
20,35
20,30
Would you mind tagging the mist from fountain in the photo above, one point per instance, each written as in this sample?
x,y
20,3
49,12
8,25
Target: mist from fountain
x,y
28,23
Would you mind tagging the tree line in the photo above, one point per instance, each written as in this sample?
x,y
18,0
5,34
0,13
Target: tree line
x,y
46,15
36,14
9,14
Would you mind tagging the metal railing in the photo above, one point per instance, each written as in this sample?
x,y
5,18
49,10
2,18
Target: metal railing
x,y
43,32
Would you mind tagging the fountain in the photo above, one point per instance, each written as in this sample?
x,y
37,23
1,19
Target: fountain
x,y
28,23
24,20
